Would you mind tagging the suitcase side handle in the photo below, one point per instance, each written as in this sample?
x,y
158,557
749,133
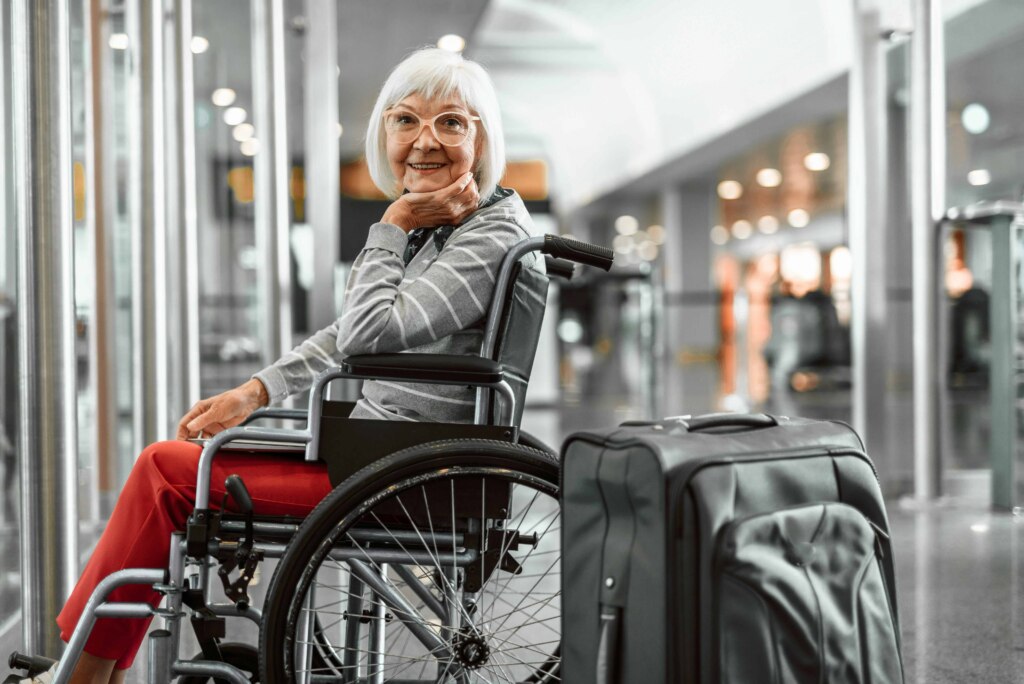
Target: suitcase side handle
x,y
721,420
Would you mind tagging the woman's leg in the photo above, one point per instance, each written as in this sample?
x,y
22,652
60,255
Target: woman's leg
x,y
156,501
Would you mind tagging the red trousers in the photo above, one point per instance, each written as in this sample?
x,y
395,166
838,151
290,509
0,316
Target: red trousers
x,y
156,501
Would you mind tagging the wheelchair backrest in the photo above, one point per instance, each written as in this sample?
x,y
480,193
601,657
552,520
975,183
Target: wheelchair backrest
x,y
519,330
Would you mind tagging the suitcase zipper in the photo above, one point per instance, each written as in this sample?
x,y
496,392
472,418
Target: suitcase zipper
x,y
754,458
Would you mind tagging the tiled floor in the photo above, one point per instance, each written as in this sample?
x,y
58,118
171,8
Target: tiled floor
x,y
959,567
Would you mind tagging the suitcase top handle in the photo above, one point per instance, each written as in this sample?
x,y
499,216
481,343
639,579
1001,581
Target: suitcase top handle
x,y
709,421
726,420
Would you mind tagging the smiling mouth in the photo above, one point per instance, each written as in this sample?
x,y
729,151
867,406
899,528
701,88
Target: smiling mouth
x,y
426,167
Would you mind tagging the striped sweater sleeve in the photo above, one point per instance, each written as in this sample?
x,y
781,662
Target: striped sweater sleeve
x,y
385,314
295,371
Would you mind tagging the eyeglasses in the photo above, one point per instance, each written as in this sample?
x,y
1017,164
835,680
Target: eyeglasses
x,y
450,128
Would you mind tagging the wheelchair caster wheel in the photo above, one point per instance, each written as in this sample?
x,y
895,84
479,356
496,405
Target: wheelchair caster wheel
x,y
242,656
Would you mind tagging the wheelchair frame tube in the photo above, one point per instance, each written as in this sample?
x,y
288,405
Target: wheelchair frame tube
x,y
403,609
86,622
210,668
319,390
222,438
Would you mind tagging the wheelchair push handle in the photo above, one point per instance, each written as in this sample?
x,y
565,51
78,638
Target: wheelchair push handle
x,y
237,490
580,252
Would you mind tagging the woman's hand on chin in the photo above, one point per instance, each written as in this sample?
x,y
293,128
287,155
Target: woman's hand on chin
x,y
448,206
227,409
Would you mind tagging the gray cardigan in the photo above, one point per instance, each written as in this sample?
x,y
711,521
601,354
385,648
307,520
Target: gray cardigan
x,y
436,304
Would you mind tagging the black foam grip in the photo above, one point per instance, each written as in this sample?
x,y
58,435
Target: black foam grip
x,y
237,489
559,267
580,252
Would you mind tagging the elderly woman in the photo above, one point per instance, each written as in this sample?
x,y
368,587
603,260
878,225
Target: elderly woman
x,y
422,282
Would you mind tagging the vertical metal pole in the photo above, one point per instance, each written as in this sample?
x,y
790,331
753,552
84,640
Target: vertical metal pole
x,y
185,234
866,204
46,316
271,170
928,203
1003,369
149,243
99,367
322,155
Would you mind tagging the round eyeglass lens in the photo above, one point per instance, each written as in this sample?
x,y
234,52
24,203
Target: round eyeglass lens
x,y
450,128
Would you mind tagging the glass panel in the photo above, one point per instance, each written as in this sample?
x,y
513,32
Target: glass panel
x,y
230,346
111,246
10,596
84,263
984,50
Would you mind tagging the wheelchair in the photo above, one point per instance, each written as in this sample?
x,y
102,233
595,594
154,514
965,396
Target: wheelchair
x,y
436,558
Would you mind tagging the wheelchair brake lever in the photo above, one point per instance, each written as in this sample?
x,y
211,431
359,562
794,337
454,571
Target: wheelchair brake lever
x,y
245,557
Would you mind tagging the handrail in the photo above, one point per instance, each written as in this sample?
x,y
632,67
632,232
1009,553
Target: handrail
x,y
982,212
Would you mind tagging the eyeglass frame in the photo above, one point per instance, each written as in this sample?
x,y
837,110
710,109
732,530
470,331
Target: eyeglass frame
x,y
430,123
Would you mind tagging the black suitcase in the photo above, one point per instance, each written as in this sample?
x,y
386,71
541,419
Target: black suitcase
x,y
725,548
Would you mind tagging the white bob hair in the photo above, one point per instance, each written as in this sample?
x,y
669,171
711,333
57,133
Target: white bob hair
x,y
435,73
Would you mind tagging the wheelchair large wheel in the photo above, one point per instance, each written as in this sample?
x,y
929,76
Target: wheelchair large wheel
x,y
439,563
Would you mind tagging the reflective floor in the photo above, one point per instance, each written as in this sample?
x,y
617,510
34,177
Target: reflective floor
x,y
961,594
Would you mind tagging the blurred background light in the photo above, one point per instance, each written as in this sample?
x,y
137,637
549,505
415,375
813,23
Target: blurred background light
x,y
570,331
657,234
730,190
341,129
742,229
626,225
623,244
243,132
118,41
769,178
647,250
452,43
223,97
234,116
979,177
817,161
719,235
199,45
975,118
768,224
798,218
250,147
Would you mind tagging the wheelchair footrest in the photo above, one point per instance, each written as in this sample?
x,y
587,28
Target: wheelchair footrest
x,y
33,665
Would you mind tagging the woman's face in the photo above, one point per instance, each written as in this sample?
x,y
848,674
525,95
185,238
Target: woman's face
x,y
425,165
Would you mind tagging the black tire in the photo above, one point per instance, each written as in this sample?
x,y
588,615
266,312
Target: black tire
x,y
242,656
396,479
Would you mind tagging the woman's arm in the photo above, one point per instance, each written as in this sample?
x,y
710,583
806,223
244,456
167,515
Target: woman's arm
x,y
385,245
383,314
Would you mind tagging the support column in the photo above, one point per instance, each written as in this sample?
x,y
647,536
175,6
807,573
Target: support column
x,y
148,186
1003,385
271,170
866,204
322,154
928,204
46,316
691,304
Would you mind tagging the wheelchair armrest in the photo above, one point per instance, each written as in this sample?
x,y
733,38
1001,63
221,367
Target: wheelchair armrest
x,y
276,412
445,369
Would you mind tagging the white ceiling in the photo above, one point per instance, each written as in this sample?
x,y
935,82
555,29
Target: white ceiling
x,y
604,90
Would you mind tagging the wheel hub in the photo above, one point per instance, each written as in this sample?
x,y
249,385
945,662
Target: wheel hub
x,y
471,650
